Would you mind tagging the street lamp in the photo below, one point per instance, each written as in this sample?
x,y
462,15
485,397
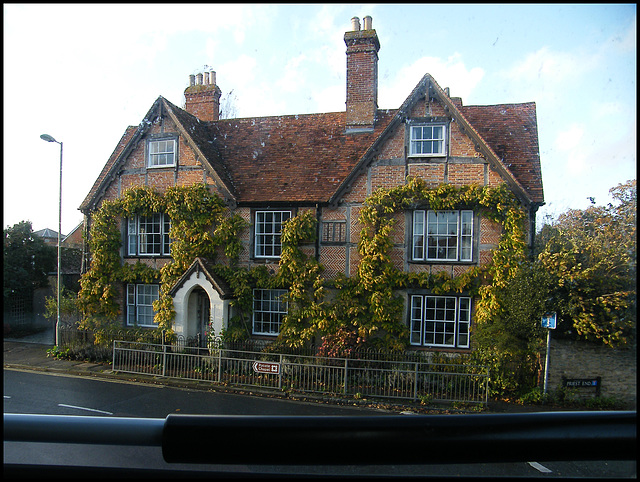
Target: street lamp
x,y
48,138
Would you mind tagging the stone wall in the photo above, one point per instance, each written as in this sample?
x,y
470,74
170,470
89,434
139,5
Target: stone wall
x,y
615,367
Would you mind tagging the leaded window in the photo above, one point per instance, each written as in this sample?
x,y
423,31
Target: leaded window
x,y
269,309
140,298
442,236
440,321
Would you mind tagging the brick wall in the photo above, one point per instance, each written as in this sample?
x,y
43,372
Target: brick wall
x,y
617,368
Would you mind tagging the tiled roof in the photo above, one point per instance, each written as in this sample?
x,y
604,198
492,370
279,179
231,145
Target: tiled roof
x,y
511,130
291,159
309,158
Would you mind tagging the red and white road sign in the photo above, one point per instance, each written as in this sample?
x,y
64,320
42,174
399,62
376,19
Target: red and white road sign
x,y
266,367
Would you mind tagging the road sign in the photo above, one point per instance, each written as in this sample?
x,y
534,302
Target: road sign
x,y
266,367
549,321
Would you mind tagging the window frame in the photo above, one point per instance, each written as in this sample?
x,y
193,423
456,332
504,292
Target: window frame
x,y
134,235
442,328
134,304
412,141
423,242
274,300
149,154
276,242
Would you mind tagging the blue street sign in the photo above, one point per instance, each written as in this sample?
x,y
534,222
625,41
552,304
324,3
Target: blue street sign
x,y
549,321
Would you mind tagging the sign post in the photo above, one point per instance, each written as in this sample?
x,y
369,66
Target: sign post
x,y
548,322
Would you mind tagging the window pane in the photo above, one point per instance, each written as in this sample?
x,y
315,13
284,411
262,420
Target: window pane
x,y
416,320
427,139
140,300
267,232
442,242
150,237
466,236
464,320
440,321
418,235
161,153
269,308
132,236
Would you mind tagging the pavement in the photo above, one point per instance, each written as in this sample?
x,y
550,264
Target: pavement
x,y
30,353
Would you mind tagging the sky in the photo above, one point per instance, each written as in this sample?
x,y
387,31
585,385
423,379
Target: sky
x,y
82,73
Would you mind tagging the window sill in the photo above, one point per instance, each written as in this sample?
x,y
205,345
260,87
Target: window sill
x,y
442,261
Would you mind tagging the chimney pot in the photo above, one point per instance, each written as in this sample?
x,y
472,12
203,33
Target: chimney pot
x,y
355,24
367,22
202,97
446,91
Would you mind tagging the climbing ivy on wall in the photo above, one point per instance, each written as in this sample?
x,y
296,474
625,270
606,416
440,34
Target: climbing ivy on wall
x,y
198,226
367,303
365,309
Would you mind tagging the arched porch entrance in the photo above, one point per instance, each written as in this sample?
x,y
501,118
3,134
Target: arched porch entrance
x,y
201,303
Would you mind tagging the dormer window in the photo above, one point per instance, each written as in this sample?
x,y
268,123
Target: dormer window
x,y
427,140
162,153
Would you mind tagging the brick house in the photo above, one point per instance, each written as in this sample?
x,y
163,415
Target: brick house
x,y
269,169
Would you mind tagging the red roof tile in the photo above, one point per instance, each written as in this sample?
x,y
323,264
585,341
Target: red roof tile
x,y
511,130
291,159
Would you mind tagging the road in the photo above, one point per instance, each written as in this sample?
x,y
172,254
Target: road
x,y
39,393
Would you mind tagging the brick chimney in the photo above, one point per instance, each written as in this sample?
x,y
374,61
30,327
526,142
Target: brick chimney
x,y
362,76
202,97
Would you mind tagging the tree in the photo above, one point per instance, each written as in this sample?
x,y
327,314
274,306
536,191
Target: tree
x,y
591,257
26,261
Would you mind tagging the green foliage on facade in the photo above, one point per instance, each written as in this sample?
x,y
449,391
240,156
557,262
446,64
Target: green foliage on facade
x,y
366,304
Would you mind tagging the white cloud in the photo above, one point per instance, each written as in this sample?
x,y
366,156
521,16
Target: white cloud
x,y
451,72
290,80
571,144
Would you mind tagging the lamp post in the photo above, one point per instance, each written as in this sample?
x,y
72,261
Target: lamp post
x,y
48,138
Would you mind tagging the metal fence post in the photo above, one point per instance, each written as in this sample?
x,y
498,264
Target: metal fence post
x,y
415,383
280,373
164,359
113,363
346,369
220,364
486,388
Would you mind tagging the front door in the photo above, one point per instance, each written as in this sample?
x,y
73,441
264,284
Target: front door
x,y
203,317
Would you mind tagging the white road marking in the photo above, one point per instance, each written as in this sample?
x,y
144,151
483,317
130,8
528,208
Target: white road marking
x,y
84,408
539,467
7,396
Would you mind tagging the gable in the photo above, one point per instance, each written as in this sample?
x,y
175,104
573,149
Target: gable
x,y
202,266
195,157
508,129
